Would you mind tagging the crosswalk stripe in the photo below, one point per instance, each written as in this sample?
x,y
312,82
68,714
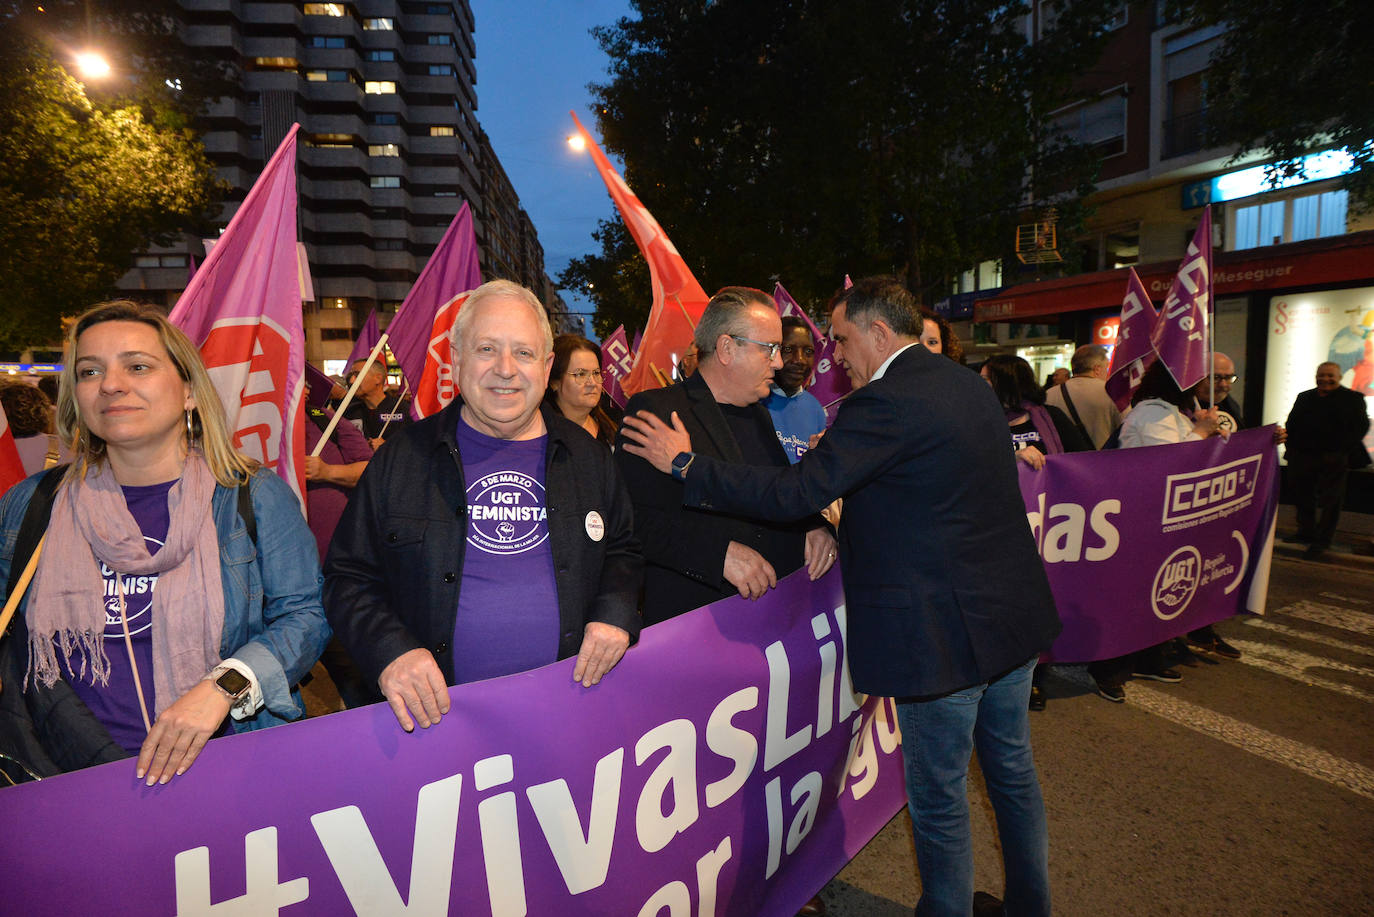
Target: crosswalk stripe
x,y
1274,627
1359,622
1300,757
1299,666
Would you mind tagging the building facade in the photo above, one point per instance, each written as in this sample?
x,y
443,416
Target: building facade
x,y
389,149
1293,268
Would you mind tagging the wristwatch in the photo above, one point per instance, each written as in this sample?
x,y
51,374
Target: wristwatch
x,y
681,462
233,685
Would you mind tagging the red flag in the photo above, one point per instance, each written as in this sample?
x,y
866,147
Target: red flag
x,y
11,467
1133,353
678,299
243,310
418,335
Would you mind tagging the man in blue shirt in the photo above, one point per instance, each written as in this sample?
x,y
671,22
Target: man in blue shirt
x,y
797,415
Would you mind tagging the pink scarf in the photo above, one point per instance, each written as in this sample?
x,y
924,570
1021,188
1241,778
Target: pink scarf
x,y
91,524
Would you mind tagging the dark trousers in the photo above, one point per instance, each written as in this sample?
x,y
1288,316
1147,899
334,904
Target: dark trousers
x,y
1318,480
1117,671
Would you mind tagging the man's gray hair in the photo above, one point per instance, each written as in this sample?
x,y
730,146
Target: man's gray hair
x,y
727,313
1087,358
881,298
498,289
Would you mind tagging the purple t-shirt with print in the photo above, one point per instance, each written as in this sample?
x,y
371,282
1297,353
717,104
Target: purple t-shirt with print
x,y
508,600
116,705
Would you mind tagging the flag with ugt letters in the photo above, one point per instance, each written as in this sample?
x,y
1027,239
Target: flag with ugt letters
x,y
418,335
1133,353
678,299
243,310
1180,333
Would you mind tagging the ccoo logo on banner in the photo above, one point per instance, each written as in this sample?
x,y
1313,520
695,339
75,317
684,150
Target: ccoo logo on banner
x,y
247,359
438,386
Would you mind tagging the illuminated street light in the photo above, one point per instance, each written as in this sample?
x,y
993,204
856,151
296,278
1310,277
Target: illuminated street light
x,y
93,65
577,142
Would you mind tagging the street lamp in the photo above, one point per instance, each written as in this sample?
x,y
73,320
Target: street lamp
x,y
92,65
577,142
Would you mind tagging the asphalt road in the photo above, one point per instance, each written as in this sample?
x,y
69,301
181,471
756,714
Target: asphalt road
x,y
1247,789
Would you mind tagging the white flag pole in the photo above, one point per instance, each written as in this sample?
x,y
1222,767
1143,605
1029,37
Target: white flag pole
x,y
357,380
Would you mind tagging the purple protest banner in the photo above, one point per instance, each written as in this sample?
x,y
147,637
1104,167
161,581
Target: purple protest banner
x,y
1142,545
616,363
1133,353
1180,333
723,767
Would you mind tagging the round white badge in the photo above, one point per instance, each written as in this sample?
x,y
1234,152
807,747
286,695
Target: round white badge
x,y
596,529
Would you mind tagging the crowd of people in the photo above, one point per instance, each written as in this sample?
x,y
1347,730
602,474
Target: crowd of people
x,y
170,591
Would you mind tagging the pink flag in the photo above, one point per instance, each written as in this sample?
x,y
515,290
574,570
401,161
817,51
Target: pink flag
x,y
616,363
11,467
1133,353
243,310
367,339
418,335
1180,333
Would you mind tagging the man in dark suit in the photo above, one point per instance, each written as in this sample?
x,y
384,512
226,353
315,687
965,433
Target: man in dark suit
x,y
948,601
1326,429
694,557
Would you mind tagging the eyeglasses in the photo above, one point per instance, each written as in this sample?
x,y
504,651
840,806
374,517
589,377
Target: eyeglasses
x,y
1223,377
582,375
772,348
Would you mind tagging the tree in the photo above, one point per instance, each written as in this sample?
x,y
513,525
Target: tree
x,y
1290,77
807,140
82,187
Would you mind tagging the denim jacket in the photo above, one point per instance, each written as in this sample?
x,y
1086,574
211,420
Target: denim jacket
x,y
273,620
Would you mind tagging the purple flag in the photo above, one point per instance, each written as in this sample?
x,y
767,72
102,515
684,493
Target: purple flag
x,y
787,306
829,382
418,335
243,310
616,363
318,386
725,763
1133,353
1180,333
639,339
367,339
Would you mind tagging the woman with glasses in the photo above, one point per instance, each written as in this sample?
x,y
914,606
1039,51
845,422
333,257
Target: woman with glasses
x,y
575,386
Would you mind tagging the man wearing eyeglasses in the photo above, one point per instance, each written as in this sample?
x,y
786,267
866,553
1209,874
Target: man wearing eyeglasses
x,y
694,557
1222,378
797,415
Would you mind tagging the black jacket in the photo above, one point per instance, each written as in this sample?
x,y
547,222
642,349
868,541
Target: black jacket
x,y
393,570
684,548
942,581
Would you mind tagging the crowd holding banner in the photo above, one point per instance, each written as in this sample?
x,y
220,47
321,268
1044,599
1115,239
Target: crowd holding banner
x,y
735,778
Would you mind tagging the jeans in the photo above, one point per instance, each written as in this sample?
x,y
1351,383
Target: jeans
x,y
938,737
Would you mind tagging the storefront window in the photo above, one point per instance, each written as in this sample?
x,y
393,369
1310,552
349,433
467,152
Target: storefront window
x,y
1291,219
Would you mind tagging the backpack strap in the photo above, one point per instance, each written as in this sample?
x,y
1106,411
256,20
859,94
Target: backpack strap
x,y
35,522
250,521
1078,421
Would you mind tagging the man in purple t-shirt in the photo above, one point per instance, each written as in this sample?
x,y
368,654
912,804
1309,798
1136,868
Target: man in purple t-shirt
x,y
490,538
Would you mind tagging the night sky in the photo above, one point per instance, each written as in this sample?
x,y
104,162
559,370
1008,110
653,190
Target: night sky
x,y
534,61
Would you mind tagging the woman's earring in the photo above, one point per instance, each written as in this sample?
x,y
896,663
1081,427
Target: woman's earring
x,y
190,431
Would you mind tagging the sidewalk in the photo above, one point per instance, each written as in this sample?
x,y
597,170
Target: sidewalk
x,y
1353,545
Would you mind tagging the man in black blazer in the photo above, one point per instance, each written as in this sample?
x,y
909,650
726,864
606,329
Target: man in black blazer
x,y
692,556
1326,429
948,601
